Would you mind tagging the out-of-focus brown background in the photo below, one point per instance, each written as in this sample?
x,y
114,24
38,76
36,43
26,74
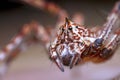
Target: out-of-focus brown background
x,y
33,64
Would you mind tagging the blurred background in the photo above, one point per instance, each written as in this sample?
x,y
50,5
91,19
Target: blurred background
x,y
33,64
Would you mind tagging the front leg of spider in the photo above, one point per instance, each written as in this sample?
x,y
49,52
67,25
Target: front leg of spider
x,y
111,20
55,56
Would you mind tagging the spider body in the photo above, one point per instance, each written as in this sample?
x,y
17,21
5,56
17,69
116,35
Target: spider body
x,y
75,44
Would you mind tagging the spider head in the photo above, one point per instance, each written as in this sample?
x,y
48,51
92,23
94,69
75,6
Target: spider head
x,y
71,30
68,33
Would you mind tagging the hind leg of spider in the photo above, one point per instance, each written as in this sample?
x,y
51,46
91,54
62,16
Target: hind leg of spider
x,y
111,47
49,7
24,38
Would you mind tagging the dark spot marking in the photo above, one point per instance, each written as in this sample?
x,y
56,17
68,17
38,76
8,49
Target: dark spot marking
x,y
98,43
106,53
70,28
76,26
62,29
82,44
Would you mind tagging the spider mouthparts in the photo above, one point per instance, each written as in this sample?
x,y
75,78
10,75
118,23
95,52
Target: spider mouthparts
x,y
59,64
71,66
74,61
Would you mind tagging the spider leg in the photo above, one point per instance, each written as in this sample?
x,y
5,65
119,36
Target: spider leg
x,y
53,53
41,34
27,35
52,8
96,43
111,21
61,14
49,7
44,5
55,57
111,46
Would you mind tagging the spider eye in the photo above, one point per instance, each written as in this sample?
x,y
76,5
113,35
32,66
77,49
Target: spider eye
x,y
62,29
81,44
70,28
76,26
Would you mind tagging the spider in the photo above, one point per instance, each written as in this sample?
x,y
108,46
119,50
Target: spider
x,y
75,44
72,43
